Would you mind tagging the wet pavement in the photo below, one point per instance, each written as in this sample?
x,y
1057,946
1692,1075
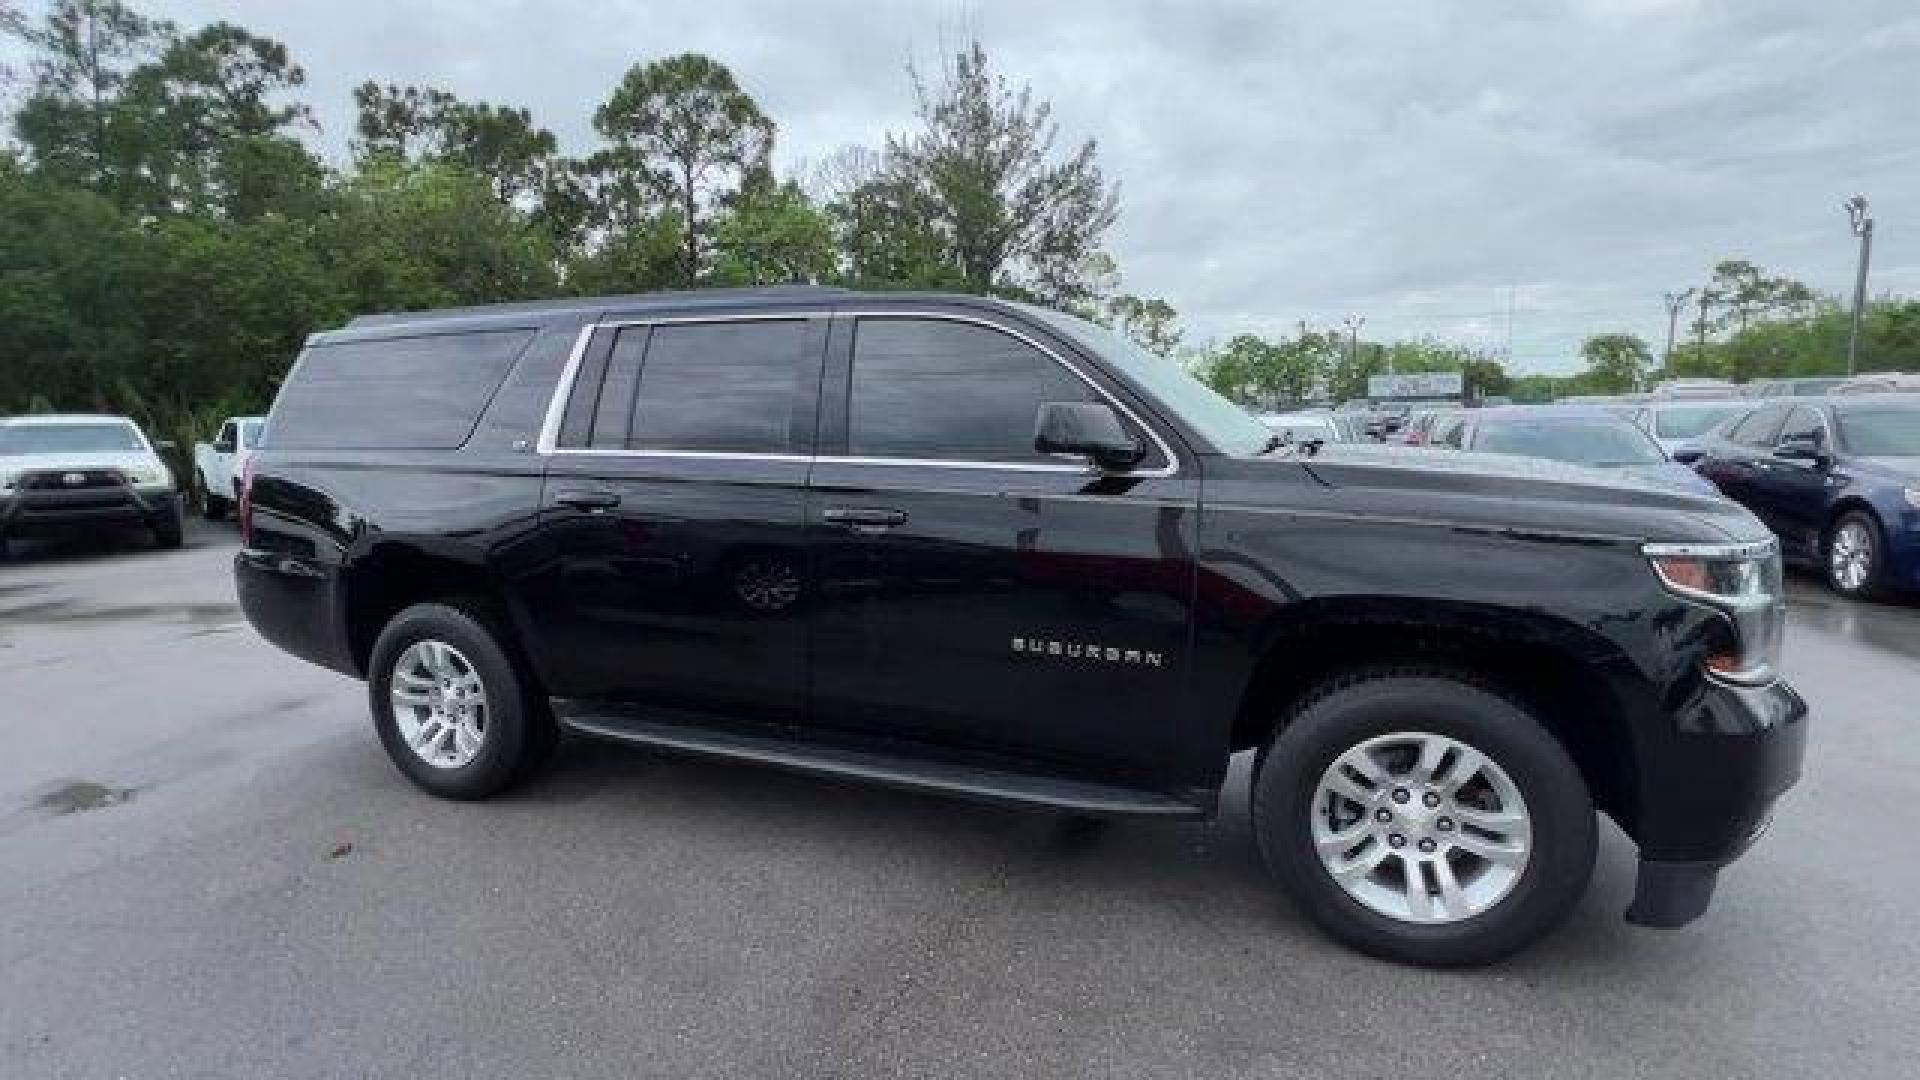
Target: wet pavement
x,y
208,868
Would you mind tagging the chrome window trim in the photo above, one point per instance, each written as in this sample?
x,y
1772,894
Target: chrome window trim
x,y
548,443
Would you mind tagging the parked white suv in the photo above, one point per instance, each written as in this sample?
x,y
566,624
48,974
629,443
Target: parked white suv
x,y
217,465
75,472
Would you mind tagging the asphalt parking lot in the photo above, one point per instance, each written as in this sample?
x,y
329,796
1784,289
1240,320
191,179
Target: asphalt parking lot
x,y
208,868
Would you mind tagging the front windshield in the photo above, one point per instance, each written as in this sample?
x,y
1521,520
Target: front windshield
x,y
1881,432
1691,421
1579,442
1814,387
77,438
1226,425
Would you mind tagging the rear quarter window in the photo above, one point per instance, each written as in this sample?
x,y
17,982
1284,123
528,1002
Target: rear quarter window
x,y
406,393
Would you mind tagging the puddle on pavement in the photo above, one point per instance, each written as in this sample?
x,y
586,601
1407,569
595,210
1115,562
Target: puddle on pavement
x,y
84,795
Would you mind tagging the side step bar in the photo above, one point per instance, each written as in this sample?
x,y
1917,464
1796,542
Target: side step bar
x,y
877,766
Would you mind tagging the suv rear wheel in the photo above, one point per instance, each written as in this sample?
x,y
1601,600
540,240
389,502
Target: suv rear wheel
x,y
454,710
1420,817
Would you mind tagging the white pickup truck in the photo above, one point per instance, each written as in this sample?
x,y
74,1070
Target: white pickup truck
x,y
217,465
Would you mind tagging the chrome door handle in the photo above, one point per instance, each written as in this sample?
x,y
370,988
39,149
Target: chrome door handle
x,y
867,521
590,501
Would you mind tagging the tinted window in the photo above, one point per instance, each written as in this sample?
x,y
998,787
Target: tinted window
x,y
718,387
925,388
1691,421
1581,442
1760,429
415,393
1804,423
614,411
1881,432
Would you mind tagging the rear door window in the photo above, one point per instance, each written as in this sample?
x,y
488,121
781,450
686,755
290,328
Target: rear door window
x,y
700,387
1762,429
409,393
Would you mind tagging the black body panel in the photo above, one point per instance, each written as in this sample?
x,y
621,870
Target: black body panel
x,y
1006,620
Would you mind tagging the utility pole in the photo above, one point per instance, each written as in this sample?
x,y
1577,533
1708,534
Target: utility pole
x,y
1353,323
1700,327
1676,302
1862,223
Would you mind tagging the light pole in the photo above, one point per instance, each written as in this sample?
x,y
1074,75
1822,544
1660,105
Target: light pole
x,y
1676,303
1862,224
1353,323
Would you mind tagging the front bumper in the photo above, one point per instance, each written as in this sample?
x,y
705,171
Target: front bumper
x,y
32,512
1708,789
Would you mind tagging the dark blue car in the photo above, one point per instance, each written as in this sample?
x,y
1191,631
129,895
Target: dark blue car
x,y
1577,436
1837,479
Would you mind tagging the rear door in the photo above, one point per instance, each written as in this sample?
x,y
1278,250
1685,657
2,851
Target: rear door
x,y
975,594
671,565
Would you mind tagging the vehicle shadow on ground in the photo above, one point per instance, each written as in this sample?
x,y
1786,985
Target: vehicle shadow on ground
x,y
1209,872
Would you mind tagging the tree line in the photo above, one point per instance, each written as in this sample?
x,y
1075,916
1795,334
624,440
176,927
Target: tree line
x,y
168,236
1745,324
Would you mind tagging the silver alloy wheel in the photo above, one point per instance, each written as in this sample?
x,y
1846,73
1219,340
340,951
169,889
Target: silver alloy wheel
x,y
1421,828
439,704
1850,555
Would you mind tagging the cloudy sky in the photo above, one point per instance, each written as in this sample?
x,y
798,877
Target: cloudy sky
x,y
1430,166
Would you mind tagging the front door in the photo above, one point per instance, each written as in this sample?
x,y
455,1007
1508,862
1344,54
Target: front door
x,y
1790,493
669,571
975,594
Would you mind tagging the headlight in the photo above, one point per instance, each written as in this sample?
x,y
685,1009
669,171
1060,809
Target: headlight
x,y
151,476
1743,582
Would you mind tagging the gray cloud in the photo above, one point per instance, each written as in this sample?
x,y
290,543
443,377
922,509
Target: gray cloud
x,y
1421,164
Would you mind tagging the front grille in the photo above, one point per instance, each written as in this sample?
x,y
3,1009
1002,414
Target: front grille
x,y
59,480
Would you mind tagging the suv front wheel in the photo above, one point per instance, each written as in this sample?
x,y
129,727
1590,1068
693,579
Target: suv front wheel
x,y
1423,818
454,710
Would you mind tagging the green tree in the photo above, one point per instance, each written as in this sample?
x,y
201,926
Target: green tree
x,y
772,234
1014,215
687,122
212,116
1616,363
1150,322
83,53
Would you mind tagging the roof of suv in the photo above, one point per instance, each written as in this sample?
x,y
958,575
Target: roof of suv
x,y
585,304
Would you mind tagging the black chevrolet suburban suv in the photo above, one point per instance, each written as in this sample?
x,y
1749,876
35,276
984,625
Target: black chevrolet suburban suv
x,y
981,548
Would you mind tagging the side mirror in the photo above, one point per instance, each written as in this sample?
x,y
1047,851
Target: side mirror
x,y
1808,450
223,448
1086,427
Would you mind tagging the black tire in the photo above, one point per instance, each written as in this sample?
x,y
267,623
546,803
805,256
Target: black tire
x,y
1351,709
1868,527
171,531
212,507
519,734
